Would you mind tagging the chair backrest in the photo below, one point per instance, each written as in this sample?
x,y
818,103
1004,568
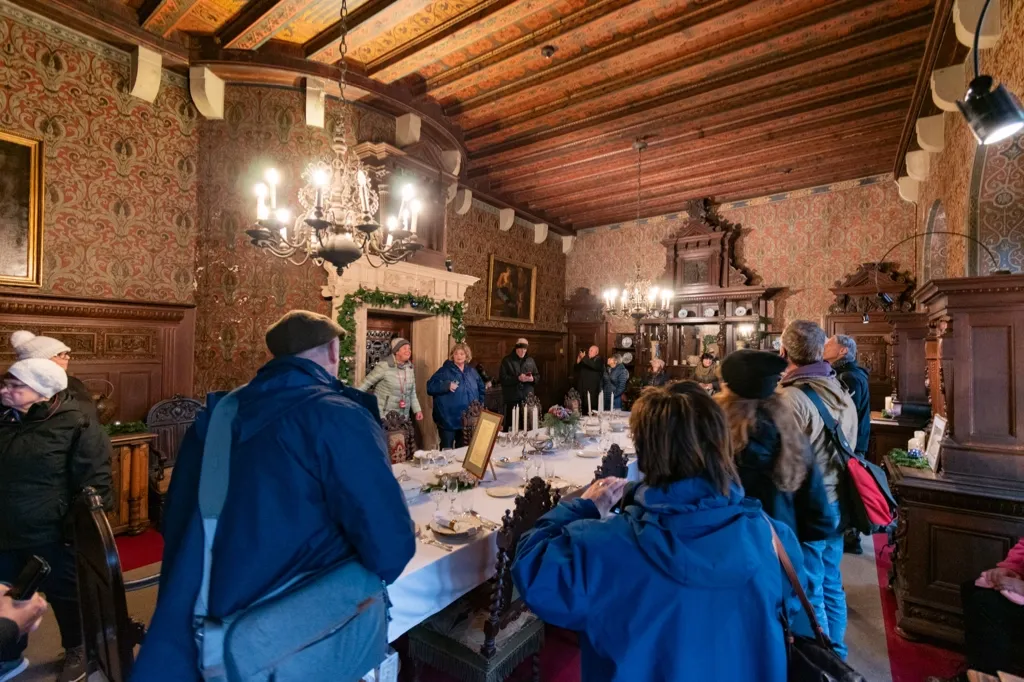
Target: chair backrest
x,y
537,500
110,635
614,463
470,417
401,435
572,401
169,420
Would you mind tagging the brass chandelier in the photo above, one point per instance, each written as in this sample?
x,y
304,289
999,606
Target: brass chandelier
x,y
339,206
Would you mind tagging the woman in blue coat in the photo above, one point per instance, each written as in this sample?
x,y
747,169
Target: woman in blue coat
x,y
684,584
453,388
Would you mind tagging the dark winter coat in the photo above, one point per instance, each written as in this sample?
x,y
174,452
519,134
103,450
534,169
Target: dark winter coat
x,y
514,391
310,487
658,379
81,393
806,511
615,380
704,592
590,375
855,379
47,456
449,405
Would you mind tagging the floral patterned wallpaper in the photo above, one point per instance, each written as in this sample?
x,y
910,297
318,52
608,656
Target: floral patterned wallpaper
x,y
982,192
804,244
242,291
473,238
120,173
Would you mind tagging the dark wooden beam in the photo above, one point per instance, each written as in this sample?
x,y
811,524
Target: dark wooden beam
x,y
109,21
940,35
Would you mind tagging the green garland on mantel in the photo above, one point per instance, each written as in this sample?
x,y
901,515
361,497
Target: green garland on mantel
x,y
381,299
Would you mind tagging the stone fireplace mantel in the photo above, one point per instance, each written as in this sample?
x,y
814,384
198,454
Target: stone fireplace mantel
x,y
431,334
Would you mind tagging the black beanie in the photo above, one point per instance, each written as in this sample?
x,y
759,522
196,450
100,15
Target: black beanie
x,y
752,373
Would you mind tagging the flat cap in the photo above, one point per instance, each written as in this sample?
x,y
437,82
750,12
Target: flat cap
x,y
300,330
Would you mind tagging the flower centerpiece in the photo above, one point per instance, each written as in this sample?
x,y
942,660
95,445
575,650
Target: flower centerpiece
x,y
561,423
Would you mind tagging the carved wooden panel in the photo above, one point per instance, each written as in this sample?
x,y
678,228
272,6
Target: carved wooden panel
x,y
146,351
490,345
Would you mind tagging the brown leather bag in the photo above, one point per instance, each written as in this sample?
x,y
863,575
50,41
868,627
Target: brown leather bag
x,y
810,659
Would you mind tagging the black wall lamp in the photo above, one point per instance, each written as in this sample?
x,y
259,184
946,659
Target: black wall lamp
x,y
992,114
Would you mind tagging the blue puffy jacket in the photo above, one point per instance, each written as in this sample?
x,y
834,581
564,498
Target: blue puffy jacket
x,y
310,486
684,585
449,405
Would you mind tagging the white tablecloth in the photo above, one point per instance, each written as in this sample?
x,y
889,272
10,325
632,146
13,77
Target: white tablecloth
x,y
436,578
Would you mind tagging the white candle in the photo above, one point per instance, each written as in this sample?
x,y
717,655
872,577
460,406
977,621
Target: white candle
x,y
590,408
363,195
888,403
515,419
526,419
273,178
600,402
536,424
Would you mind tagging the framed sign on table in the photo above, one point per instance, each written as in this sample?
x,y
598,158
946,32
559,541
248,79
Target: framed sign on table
x,y
478,454
511,290
21,210
932,450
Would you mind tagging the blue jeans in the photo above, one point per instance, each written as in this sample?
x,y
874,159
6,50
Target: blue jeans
x,y
825,586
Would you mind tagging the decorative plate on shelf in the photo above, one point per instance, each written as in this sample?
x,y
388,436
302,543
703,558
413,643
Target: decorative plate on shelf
x,y
740,311
627,341
683,312
710,312
627,358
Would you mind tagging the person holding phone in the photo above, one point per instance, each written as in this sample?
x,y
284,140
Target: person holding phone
x,y
518,377
453,387
17,619
51,447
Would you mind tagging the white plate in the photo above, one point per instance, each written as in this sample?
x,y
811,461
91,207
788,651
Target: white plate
x,y
709,312
589,454
627,358
740,311
627,341
683,312
502,491
557,483
512,461
467,528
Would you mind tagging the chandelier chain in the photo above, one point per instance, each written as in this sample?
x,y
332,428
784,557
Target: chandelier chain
x,y
641,145
343,48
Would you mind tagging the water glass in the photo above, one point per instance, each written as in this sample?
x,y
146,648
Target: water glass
x,y
437,496
452,487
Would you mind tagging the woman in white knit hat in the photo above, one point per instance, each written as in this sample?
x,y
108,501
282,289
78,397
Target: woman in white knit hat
x,y
51,447
27,345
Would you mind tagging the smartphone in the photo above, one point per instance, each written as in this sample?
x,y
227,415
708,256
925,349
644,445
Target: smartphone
x,y
29,580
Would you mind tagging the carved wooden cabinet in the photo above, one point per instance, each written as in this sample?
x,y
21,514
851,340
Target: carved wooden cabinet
x,y
129,467
963,519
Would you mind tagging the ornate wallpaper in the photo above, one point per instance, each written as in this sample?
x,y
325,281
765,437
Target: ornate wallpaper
x,y
242,291
964,186
474,237
120,198
804,244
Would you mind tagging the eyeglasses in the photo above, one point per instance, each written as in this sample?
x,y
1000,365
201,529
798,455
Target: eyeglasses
x,y
12,385
66,355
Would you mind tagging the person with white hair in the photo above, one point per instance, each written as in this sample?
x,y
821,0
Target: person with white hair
x,y
27,345
51,447
518,377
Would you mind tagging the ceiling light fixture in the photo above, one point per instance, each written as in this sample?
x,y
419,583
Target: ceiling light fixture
x,y
548,51
993,115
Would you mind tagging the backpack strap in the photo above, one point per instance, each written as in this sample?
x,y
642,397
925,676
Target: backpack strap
x,y
213,491
833,429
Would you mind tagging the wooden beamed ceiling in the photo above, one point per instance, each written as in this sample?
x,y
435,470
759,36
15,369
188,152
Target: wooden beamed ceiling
x,y
735,98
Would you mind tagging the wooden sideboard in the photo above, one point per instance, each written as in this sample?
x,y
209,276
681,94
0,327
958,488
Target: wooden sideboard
x,y
887,434
129,468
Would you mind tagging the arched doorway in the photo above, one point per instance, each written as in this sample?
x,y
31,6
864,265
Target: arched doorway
x,y
996,213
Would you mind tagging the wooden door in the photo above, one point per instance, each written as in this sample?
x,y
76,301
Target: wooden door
x,y
583,335
381,329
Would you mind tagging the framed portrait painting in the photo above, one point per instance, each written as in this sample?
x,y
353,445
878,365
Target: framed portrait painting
x,y
511,291
21,210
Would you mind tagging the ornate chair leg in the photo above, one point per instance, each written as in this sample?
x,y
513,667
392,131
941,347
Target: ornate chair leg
x,y
536,667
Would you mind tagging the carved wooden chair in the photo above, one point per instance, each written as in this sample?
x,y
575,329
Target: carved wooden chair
x,y
572,401
485,642
110,634
401,436
470,417
169,420
614,463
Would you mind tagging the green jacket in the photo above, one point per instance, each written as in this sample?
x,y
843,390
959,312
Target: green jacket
x,y
391,384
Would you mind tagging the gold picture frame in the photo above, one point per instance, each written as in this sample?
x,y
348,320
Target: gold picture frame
x,y
478,454
511,286
21,210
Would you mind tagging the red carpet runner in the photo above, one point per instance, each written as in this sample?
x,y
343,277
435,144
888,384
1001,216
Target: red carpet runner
x,y
137,551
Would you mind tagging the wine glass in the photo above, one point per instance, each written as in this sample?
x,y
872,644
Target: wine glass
x,y
437,496
452,488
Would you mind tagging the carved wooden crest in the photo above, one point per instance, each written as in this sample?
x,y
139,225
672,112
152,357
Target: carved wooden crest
x,y
615,463
698,255
873,286
401,436
572,401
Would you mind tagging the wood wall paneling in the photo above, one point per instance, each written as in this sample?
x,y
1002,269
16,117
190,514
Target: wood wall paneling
x,y
144,349
547,348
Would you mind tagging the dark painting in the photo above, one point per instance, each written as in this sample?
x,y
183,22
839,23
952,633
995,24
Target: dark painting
x,y
511,291
20,210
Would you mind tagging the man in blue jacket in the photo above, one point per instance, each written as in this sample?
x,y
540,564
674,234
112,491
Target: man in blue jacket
x,y
310,487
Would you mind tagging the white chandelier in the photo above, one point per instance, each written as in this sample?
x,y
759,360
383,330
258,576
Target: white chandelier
x,y
339,205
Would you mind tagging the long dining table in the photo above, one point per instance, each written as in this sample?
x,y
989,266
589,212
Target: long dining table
x,y
436,577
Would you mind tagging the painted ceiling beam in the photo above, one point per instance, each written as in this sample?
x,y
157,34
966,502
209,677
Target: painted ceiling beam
x,y
331,35
257,23
109,21
162,16
374,22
